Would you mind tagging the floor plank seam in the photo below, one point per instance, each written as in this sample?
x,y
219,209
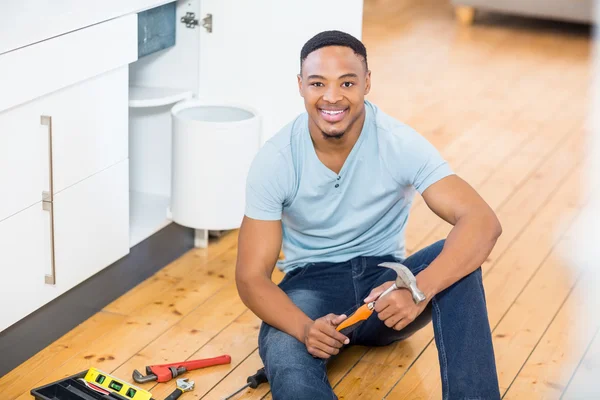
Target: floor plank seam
x,y
543,333
229,373
521,231
351,368
587,349
533,275
207,342
550,155
429,343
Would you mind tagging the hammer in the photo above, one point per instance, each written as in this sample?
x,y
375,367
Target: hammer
x,y
404,279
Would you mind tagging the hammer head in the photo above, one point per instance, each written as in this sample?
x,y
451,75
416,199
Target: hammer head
x,y
405,279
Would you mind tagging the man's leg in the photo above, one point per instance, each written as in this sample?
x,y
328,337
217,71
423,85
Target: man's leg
x,y
461,328
292,371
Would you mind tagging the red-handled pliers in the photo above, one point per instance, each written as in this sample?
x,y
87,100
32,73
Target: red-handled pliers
x,y
166,372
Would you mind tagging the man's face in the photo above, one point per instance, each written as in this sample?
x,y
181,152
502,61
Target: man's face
x,y
333,83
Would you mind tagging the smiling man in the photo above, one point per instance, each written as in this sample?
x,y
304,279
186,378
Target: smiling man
x,y
334,187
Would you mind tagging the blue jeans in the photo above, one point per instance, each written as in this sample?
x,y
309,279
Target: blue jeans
x,y
460,322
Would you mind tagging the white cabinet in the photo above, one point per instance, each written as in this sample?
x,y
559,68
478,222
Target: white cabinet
x,y
64,164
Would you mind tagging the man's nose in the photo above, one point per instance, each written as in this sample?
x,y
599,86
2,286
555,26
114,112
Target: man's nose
x,y
332,94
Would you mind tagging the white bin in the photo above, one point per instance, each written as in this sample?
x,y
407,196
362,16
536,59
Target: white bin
x,y
213,147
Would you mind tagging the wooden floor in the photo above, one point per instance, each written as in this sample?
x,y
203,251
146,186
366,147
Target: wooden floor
x,y
505,101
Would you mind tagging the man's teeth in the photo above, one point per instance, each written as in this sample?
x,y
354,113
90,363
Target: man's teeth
x,y
331,112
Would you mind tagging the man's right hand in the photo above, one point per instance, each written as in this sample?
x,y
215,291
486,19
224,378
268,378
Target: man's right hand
x,y
320,337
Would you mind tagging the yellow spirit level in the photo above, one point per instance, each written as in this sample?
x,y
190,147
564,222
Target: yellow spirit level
x,y
121,387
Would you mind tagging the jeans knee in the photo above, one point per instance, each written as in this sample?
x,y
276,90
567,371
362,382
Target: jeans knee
x,y
293,373
276,347
296,382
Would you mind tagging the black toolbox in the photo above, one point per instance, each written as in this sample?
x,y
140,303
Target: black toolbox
x,y
71,388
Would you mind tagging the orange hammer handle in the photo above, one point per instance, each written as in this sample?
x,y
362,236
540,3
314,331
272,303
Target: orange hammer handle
x,y
359,315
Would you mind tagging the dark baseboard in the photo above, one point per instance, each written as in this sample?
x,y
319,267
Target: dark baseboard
x,y
39,329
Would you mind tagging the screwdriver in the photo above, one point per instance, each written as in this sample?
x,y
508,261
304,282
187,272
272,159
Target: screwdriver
x,y
253,382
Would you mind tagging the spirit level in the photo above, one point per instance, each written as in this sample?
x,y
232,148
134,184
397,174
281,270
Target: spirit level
x,y
121,387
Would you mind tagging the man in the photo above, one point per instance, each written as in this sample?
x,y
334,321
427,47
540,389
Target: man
x,y
334,187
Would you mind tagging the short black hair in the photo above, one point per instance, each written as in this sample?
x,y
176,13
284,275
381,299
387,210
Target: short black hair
x,y
333,38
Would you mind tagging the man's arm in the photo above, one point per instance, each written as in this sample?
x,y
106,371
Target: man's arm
x,y
476,229
471,240
259,244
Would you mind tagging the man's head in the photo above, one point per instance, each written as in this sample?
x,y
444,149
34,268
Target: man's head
x,y
334,79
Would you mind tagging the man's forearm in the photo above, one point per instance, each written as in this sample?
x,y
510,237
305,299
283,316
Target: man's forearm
x,y
468,245
272,305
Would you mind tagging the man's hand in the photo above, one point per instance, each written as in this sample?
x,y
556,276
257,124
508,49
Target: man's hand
x,y
320,337
396,309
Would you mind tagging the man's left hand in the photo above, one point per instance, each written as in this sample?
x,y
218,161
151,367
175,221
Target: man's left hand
x,y
396,309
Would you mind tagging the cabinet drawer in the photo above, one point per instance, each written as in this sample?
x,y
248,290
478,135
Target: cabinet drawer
x,y
50,65
91,225
89,127
91,231
24,262
86,128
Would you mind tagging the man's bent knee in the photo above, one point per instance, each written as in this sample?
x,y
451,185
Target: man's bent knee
x,y
292,371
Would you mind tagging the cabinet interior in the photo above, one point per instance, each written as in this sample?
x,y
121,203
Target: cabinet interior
x,y
156,82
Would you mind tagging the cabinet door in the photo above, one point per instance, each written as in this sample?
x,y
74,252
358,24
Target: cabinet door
x,y
85,125
24,261
91,225
24,162
89,127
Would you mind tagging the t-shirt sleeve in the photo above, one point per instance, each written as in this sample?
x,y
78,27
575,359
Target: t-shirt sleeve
x,y
415,161
266,185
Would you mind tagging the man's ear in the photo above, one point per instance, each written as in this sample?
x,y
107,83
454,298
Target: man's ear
x,y
300,84
368,83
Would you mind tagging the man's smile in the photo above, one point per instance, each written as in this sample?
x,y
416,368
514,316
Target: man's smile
x,y
333,114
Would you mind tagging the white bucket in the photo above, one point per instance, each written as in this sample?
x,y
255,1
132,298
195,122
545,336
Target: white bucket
x,y
213,147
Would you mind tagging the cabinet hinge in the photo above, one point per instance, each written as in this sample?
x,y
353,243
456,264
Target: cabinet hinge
x,y
190,20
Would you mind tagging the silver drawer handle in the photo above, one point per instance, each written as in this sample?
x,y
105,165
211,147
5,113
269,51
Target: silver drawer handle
x,y
48,198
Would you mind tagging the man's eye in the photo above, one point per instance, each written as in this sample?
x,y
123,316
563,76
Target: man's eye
x,y
316,84
347,84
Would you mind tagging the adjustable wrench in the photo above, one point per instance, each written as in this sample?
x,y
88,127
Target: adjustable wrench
x,y
183,385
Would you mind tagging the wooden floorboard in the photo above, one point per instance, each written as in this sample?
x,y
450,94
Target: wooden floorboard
x,y
584,383
505,103
559,352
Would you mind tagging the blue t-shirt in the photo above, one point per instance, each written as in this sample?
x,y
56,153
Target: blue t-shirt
x,y
362,211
